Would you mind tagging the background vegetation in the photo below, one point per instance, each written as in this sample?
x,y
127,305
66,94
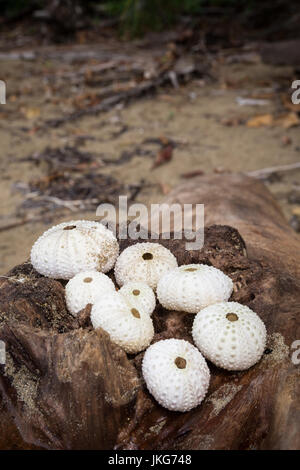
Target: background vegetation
x,y
135,17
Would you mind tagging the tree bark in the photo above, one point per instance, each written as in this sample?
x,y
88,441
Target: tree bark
x,y
66,385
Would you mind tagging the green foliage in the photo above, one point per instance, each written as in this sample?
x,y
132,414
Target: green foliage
x,y
138,16
11,8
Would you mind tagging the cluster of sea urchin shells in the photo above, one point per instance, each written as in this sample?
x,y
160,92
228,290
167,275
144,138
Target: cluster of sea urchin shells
x,y
228,334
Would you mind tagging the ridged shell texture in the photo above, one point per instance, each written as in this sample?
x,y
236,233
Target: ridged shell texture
x,y
140,296
130,328
144,262
230,335
192,287
85,288
72,247
176,374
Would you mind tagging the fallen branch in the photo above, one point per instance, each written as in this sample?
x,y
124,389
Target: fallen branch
x,y
262,173
265,172
14,222
171,76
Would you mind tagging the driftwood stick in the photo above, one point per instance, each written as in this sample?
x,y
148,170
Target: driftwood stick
x,y
72,204
14,222
265,172
123,97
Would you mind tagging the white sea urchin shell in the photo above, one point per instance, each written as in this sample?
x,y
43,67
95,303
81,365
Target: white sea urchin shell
x,y
145,262
130,328
176,374
85,288
230,335
71,247
140,296
192,287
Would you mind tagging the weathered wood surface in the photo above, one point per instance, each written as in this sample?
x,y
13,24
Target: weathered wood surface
x,y
246,204
67,386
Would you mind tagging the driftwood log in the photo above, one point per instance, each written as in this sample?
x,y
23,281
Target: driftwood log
x,y
66,386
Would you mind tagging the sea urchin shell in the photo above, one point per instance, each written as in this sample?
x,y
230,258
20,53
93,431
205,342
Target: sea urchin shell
x,y
145,262
230,335
72,247
176,374
192,287
140,296
130,328
85,288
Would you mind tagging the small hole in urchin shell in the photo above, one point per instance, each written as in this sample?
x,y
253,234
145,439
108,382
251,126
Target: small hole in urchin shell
x,y
135,313
268,351
70,227
88,279
180,362
136,292
190,270
232,317
147,256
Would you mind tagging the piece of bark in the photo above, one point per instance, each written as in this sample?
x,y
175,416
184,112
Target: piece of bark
x,y
28,297
67,391
83,318
258,408
10,438
65,387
